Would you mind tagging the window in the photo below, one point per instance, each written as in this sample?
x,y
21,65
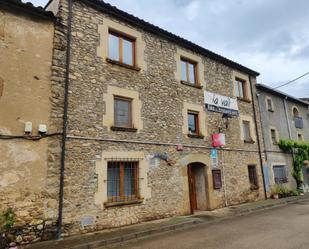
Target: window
x,y
246,131
280,174
253,179
216,177
122,181
273,136
122,112
121,49
193,126
188,71
297,119
300,137
270,105
240,89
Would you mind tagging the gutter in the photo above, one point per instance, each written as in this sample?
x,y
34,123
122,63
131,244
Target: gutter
x,y
65,118
258,137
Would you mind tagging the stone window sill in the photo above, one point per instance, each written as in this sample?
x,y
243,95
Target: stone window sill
x,y
135,68
122,203
244,100
251,141
254,188
190,84
128,129
195,136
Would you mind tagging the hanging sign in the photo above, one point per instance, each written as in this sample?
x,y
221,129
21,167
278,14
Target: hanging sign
x,y
219,103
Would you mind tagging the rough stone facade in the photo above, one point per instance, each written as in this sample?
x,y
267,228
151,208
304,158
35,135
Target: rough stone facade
x,y
26,44
281,118
162,99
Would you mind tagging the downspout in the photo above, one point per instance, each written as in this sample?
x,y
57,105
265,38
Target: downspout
x,y
257,136
65,118
287,118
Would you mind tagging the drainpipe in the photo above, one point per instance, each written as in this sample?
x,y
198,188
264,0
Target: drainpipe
x,y
286,116
224,181
257,136
65,119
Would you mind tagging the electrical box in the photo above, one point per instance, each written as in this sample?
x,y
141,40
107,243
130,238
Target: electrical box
x,y
28,127
42,129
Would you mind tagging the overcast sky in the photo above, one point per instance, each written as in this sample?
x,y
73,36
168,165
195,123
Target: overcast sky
x,y
271,37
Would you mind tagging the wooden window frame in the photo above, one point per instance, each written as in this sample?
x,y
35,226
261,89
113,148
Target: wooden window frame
x,y
122,198
197,126
253,178
250,140
244,89
130,123
195,66
121,36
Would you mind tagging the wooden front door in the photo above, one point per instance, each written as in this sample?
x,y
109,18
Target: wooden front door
x,y
192,188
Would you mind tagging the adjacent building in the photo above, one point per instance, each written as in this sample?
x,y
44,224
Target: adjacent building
x,y
26,46
282,117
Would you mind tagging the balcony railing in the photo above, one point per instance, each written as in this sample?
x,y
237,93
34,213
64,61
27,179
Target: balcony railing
x,y
299,122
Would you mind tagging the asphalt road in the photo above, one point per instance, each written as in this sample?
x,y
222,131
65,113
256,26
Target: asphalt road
x,y
280,228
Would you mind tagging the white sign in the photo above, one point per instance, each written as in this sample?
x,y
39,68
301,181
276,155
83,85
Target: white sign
x,y
218,103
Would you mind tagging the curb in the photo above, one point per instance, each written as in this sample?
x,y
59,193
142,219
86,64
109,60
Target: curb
x,y
137,235
114,241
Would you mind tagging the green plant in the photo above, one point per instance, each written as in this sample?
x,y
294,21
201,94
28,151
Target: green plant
x,y
300,153
7,220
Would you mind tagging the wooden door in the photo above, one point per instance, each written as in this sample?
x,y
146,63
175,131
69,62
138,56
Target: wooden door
x,y
192,188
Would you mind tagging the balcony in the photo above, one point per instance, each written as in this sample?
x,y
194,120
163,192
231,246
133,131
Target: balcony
x,y
298,122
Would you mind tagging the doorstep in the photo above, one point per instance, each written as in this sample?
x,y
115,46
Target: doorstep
x,y
142,230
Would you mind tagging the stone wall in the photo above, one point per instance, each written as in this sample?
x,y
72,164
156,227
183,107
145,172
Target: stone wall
x,y
162,99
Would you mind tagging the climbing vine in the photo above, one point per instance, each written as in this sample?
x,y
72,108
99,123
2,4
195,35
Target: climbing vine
x,y
300,153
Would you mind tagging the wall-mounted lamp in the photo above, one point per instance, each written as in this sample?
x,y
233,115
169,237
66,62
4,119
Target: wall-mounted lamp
x,y
226,120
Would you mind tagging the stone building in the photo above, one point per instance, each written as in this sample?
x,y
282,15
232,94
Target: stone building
x,y
139,136
26,45
282,117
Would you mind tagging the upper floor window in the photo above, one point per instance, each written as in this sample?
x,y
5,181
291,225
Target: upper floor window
x,y
123,112
189,71
270,105
193,122
246,131
297,119
241,88
273,134
121,48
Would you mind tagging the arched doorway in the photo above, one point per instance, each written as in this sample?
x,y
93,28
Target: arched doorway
x,y
197,186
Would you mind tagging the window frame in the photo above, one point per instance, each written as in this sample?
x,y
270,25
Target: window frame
x,y
253,177
217,179
196,121
122,36
275,140
195,67
249,140
244,89
122,198
270,105
282,180
130,121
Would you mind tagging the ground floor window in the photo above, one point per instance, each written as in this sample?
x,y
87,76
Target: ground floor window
x,y
253,179
122,181
280,174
